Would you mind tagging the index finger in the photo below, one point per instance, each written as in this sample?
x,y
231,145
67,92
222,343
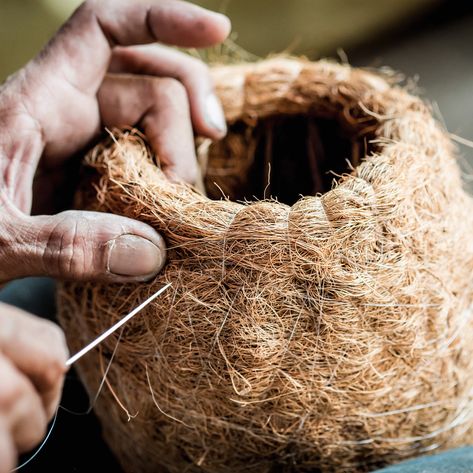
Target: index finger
x,y
81,50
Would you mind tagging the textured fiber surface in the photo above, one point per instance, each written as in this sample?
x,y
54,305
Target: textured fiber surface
x,y
335,334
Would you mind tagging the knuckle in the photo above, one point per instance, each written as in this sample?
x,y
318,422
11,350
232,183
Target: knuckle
x,y
65,250
85,12
53,376
89,5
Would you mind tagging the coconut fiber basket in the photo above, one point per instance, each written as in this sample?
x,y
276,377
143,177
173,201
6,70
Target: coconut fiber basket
x,y
320,317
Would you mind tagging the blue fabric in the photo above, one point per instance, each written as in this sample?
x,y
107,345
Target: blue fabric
x,y
35,295
452,461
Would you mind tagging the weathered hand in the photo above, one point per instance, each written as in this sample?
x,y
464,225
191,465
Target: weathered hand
x,y
33,354
61,100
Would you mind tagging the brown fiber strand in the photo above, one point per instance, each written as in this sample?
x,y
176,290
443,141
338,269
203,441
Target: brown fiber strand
x,y
333,335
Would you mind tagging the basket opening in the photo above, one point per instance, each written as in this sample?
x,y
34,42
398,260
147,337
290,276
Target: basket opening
x,y
282,157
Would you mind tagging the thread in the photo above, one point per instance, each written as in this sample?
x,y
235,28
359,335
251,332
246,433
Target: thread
x,y
43,443
115,327
79,355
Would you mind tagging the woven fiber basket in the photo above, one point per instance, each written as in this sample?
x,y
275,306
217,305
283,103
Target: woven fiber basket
x,y
319,317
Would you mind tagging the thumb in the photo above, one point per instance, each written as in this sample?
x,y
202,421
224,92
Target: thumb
x,y
81,245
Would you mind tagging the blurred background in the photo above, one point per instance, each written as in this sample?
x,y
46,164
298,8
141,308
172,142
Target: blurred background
x,y
312,27
425,39
428,40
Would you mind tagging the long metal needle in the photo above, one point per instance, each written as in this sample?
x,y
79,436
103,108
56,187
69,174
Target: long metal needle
x,y
112,329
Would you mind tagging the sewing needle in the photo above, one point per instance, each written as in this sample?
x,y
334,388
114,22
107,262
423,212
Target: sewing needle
x,y
115,327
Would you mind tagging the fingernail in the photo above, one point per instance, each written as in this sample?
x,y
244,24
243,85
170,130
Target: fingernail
x,y
214,114
134,256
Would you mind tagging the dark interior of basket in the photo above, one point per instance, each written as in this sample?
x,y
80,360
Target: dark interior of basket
x,y
285,157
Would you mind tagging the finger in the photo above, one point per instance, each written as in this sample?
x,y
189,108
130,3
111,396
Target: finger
x,y
21,406
7,449
38,349
76,245
161,108
81,50
206,111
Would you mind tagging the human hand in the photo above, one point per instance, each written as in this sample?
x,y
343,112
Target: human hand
x,y
58,104
33,354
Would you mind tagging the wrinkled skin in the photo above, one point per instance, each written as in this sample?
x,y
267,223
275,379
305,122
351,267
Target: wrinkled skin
x,y
98,71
